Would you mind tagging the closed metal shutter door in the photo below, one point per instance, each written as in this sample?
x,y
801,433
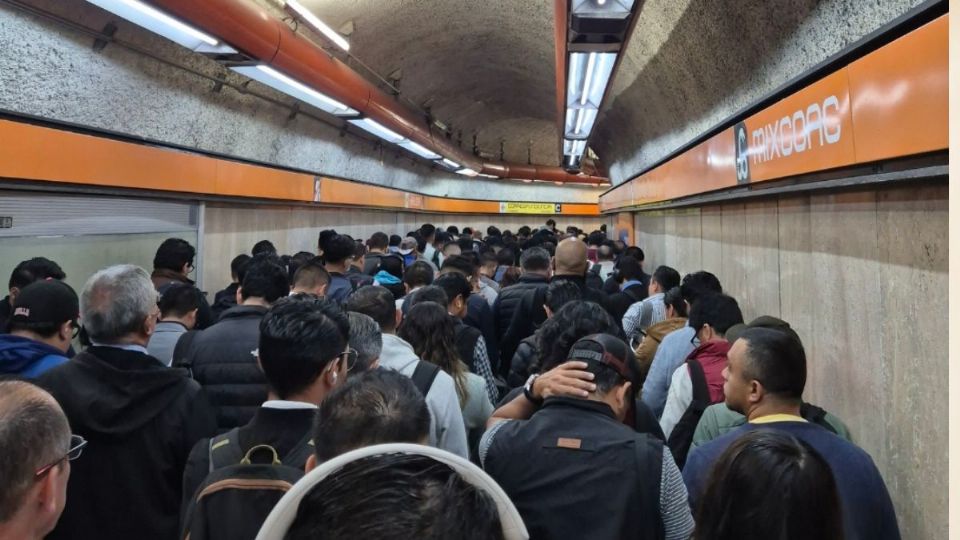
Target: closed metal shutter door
x,y
46,214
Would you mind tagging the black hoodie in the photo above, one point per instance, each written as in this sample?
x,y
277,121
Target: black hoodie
x,y
141,419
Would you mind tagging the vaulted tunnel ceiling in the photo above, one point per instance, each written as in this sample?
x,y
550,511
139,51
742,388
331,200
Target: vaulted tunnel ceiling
x,y
483,67
486,67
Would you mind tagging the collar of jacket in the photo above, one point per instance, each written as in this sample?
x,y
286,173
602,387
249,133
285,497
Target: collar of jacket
x,y
581,281
165,273
598,407
711,348
532,278
243,311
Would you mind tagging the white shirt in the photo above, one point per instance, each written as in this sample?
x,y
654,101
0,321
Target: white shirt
x,y
287,405
679,398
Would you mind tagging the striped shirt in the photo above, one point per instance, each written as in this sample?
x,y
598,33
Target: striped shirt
x,y
644,313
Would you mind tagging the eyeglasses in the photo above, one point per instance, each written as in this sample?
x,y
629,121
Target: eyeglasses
x,y
76,329
349,356
77,444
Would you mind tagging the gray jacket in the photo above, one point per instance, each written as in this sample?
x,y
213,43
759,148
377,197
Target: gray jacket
x,y
447,429
164,339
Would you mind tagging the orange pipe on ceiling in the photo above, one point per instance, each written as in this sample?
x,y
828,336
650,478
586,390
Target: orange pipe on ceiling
x,y
252,30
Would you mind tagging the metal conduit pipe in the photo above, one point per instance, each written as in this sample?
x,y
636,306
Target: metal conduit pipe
x,y
252,30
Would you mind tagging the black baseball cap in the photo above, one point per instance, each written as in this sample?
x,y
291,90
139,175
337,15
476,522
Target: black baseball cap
x,y
47,301
605,349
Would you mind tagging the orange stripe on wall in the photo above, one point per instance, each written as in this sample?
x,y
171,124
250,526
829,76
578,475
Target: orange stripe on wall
x,y
37,153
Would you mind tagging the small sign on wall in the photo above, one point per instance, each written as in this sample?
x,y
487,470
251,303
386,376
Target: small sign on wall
x,y
6,222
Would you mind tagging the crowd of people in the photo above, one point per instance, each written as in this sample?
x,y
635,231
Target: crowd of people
x,y
448,383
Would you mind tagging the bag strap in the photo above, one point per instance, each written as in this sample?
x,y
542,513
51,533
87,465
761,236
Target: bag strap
x,y
815,415
224,449
423,376
300,452
632,294
182,348
699,380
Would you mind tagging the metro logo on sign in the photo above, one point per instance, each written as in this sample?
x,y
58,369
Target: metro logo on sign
x,y
742,146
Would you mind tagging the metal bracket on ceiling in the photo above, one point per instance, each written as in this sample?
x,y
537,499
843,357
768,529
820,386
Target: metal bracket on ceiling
x,y
101,42
294,111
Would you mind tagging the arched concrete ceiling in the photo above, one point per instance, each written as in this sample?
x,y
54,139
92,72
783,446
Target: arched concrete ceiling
x,y
693,63
484,67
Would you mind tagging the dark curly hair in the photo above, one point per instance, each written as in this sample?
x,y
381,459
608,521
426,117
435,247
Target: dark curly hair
x,y
431,331
573,321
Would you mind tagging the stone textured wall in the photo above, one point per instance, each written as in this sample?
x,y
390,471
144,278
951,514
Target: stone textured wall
x,y
51,71
230,229
862,277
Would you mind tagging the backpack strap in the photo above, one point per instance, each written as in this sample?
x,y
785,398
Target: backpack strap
x,y
300,452
699,380
595,269
224,449
634,295
423,376
815,415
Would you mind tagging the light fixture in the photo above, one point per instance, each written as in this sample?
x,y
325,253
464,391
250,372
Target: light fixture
x,y
418,150
574,147
282,83
487,175
318,25
602,8
579,123
589,74
467,171
527,181
372,127
158,22
452,164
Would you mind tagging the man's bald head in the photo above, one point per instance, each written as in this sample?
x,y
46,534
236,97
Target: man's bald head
x,y
571,257
34,432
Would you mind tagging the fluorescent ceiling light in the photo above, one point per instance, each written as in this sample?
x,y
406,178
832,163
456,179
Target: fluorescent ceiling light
x,y
587,78
319,25
280,82
579,123
419,150
487,175
466,171
574,148
372,127
602,8
160,23
451,164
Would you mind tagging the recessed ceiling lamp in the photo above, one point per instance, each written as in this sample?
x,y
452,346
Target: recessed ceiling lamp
x,y
318,25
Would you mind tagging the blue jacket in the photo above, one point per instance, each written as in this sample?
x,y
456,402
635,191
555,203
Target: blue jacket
x,y
27,358
868,512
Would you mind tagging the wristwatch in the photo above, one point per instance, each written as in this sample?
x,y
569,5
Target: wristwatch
x,y
528,390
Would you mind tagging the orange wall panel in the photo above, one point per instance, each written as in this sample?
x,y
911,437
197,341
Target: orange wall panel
x,y
900,95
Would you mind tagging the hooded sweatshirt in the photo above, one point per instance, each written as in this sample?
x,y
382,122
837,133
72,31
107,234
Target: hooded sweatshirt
x,y
27,358
447,429
141,420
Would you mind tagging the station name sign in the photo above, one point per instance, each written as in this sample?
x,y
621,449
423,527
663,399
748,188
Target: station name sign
x,y
530,208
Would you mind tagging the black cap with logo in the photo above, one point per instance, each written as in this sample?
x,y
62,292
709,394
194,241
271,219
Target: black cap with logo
x,y
48,301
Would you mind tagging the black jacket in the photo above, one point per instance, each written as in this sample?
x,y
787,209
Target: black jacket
x,y
521,367
281,429
480,316
141,419
510,297
222,360
224,300
574,471
530,315
619,303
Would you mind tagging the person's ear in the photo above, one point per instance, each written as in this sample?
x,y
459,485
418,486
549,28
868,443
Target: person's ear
x,y
311,463
548,311
397,318
65,332
48,487
623,396
192,317
186,269
259,364
756,392
14,291
323,289
149,325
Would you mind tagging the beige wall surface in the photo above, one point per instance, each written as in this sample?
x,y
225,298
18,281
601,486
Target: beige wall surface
x,y
862,277
231,229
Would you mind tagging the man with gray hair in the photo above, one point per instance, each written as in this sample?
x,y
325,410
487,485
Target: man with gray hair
x,y
140,417
366,339
37,448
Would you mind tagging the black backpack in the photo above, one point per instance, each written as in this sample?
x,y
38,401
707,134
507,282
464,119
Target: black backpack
x,y
237,496
682,435
424,375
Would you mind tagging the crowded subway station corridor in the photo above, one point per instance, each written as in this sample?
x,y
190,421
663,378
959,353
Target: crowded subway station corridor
x,y
474,269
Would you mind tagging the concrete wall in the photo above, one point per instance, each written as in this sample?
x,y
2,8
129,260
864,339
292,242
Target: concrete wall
x,y
230,229
862,277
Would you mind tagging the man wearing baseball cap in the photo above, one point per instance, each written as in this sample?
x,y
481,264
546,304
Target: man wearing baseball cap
x,y
42,324
573,468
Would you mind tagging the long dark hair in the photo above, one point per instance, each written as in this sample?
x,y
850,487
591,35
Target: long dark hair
x,y
769,485
576,319
430,330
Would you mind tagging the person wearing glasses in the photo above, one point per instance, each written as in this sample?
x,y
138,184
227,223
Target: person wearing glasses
x,y
174,262
37,448
42,323
304,354
140,416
